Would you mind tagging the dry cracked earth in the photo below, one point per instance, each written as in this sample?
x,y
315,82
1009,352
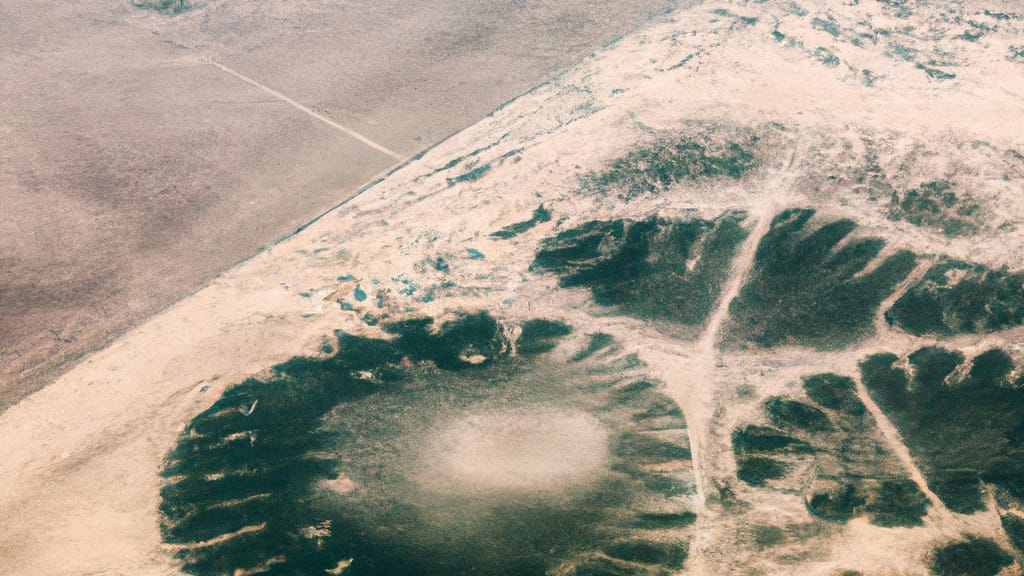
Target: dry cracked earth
x,y
740,293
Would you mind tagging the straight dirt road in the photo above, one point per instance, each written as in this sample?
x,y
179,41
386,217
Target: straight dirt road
x,y
132,171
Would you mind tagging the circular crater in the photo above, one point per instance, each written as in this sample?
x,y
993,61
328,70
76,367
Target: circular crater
x,y
411,455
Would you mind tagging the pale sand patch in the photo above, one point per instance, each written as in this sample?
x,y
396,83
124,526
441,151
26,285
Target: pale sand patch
x,y
342,484
522,451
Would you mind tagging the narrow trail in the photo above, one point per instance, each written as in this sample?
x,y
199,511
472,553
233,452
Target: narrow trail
x,y
707,347
890,434
881,324
742,263
895,443
309,111
700,367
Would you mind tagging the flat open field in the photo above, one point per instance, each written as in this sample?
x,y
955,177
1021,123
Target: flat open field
x,y
136,164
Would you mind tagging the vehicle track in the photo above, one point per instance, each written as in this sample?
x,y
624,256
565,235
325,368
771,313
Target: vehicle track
x,y
307,110
698,406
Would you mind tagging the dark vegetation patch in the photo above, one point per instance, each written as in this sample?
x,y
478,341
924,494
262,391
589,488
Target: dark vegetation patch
x,y
605,567
854,474
897,8
645,552
541,214
457,342
633,390
936,205
170,7
644,449
663,408
826,57
897,503
683,62
459,159
933,364
755,470
795,9
652,269
960,425
760,439
595,344
257,446
440,263
992,366
835,392
829,26
655,167
972,35
257,459
663,521
540,336
836,505
1014,526
868,78
956,297
480,171
935,73
971,557
748,20
789,414
662,484
768,536
805,290
902,52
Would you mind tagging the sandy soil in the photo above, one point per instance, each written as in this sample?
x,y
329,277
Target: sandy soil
x,y
82,457
135,164
524,451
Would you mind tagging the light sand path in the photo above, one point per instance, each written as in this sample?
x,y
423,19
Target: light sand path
x,y
219,539
699,407
308,110
895,443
